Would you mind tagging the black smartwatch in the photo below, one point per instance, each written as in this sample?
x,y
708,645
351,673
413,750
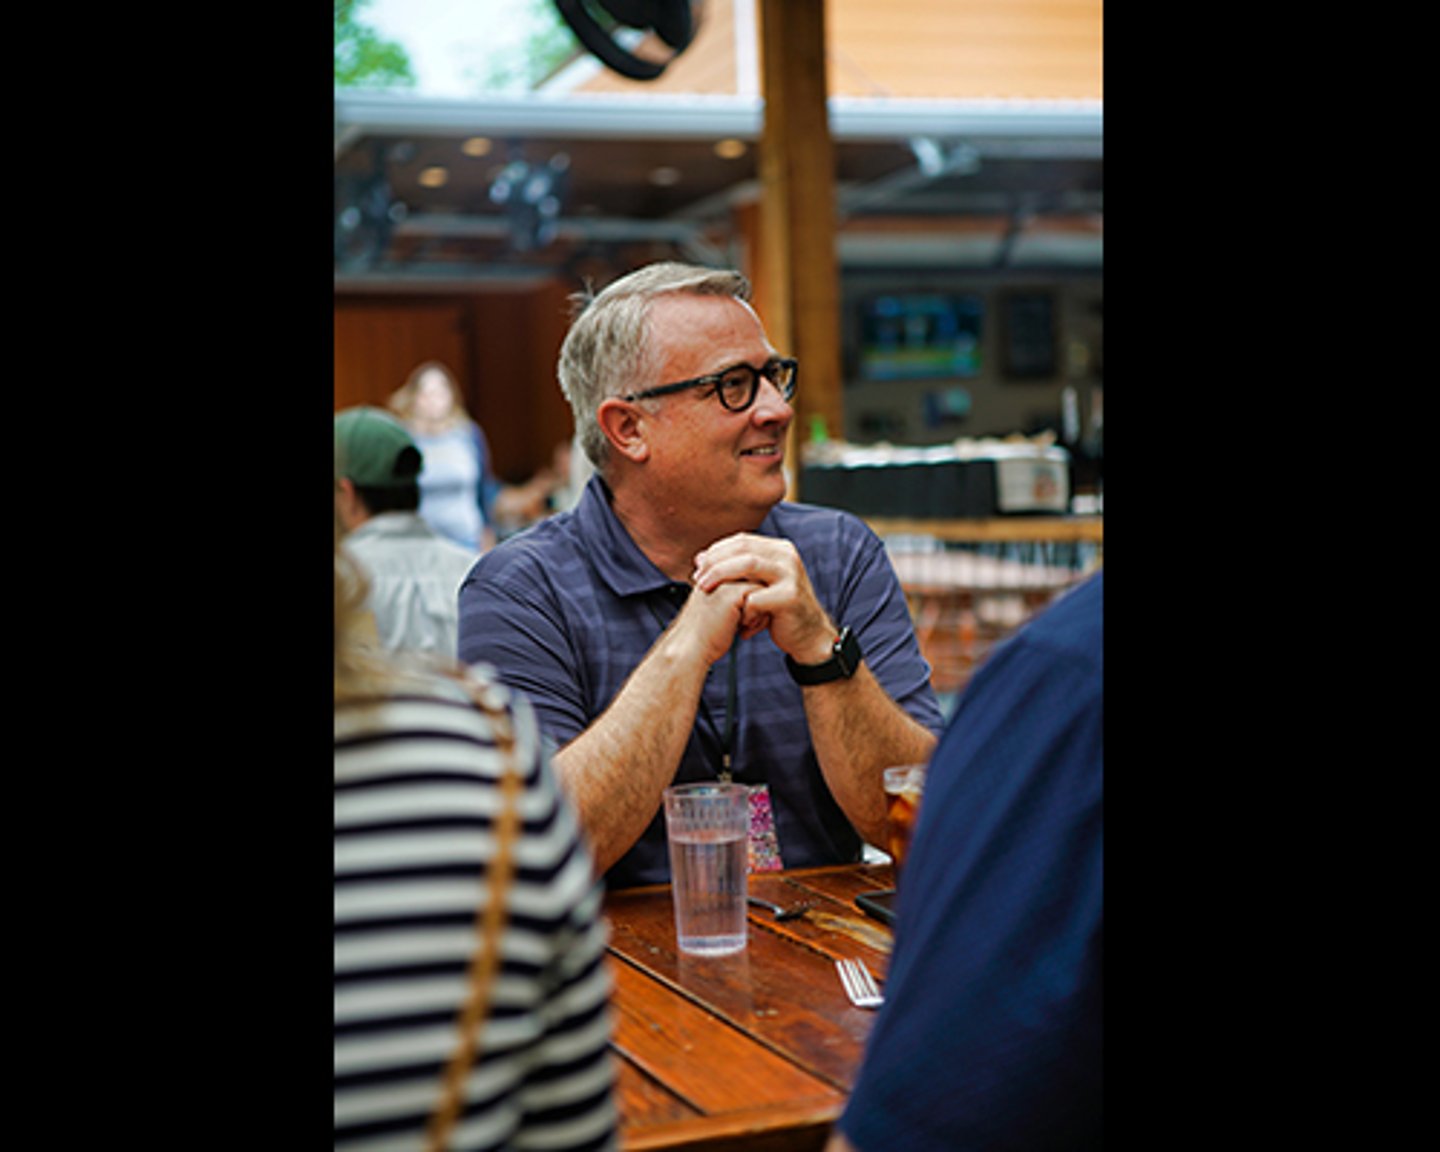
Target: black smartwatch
x,y
844,659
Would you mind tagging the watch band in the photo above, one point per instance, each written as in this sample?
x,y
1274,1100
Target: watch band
x,y
844,659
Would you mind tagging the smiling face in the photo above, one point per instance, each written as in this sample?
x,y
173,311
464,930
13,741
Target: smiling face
x,y
706,464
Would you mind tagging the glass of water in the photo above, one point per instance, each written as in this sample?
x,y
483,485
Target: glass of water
x,y
707,828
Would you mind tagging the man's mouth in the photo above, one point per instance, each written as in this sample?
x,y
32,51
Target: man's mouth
x,y
762,450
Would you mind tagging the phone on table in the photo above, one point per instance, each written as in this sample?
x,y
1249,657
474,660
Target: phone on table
x,y
879,904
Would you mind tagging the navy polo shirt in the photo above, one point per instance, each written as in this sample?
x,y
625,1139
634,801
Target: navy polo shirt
x,y
566,610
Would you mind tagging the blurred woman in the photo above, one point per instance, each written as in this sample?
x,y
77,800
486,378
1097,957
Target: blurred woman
x,y
457,484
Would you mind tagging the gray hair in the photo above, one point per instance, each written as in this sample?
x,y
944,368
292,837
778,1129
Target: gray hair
x,y
608,349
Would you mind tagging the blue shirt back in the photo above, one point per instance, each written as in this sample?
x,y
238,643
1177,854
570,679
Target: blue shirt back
x,y
990,1036
566,610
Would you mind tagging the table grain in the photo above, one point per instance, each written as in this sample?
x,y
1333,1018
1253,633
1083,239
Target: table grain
x,y
756,1050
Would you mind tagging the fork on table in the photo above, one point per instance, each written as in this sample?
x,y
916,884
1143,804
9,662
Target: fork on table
x,y
859,984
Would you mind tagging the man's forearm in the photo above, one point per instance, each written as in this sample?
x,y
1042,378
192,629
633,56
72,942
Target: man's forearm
x,y
858,731
617,769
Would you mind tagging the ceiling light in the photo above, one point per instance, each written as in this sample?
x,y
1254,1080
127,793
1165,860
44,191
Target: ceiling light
x,y
476,146
665,176
433,177
729,148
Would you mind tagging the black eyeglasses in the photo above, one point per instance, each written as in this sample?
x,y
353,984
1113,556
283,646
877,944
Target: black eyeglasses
x,y
737,387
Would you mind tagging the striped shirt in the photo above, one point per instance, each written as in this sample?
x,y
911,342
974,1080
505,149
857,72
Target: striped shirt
x,y
417,798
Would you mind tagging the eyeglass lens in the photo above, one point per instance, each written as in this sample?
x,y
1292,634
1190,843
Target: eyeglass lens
x,y
739,386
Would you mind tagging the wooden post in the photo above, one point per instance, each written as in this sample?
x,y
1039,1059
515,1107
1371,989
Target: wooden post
x,y
797,288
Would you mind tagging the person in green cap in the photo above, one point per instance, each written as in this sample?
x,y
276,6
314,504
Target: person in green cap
x,y
412,571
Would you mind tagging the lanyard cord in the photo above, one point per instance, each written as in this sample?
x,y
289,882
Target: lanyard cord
x,y
727,736
728,741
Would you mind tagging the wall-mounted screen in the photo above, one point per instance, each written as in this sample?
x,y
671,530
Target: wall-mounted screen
x,y
920,336
1028,336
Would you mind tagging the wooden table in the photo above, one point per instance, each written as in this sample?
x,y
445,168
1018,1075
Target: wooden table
x,y
756,1050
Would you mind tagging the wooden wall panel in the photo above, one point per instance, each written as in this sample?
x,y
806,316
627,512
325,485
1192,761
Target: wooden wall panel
x,y
379,340
550,315
502,346
500,383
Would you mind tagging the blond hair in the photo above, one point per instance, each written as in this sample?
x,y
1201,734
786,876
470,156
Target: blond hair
x,y
402,400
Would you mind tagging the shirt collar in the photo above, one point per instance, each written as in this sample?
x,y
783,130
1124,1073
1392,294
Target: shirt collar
x,y
391,525
617,559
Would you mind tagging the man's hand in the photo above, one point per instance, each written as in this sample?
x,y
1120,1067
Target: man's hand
x,y
616,771
856,728
780,598
711,617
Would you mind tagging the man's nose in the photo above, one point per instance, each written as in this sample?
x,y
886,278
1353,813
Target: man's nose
x,y
770,403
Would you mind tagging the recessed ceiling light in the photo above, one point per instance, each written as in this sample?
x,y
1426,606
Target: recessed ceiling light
x,y
665,176
434,177
476,146
729,148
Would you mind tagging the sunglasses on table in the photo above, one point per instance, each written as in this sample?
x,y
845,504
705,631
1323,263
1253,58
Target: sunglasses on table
x,y
736,387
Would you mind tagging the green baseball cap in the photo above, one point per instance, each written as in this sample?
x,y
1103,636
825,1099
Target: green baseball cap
x,y
373,450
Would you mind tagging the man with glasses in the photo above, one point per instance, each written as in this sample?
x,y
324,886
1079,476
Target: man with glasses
x,y
684,622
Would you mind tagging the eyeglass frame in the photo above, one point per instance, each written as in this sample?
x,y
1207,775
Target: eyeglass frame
x,y
715,378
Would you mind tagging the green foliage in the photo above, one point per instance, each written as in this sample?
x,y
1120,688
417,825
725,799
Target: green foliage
x,y
362,58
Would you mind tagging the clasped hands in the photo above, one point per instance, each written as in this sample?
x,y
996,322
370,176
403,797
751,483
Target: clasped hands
x,y
749,583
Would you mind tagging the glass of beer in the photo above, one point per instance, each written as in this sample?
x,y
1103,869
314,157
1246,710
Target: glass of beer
x,y
904,785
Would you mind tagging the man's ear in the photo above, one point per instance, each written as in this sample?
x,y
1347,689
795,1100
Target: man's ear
x,y
624,426
348,505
